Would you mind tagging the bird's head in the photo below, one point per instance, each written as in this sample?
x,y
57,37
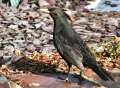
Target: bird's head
x,y
58,13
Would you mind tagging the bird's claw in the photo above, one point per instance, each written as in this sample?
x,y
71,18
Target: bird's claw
x,y
67,80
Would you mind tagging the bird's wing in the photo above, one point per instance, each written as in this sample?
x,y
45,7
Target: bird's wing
x,y
88,56
75,56
58,44
69,53
80,47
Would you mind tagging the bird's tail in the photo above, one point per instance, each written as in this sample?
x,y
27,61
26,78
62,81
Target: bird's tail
x,y
102,73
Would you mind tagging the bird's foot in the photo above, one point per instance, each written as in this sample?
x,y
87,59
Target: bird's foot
x,y
67,80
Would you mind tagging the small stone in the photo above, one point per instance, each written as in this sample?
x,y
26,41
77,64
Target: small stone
x,y
23,22
17,52
81,20
34,84
3,80
35,34
1,53
45,37
7,60
29,35
33,14
38,25
13,26
100,49
9,48
36,42
13,84
31,47
48,48
48,29
118,33
43,3
107,2
113,5
19,41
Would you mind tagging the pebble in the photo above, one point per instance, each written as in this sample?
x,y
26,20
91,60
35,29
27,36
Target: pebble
x,y
100,49
31,47
48,48
36,42
9,48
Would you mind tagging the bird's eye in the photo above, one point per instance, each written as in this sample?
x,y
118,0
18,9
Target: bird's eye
x,y
53,14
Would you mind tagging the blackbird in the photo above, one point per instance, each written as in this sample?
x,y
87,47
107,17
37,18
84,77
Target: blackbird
x,y
71,47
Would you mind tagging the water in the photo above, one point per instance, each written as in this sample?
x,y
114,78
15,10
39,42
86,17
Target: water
x,y
100,5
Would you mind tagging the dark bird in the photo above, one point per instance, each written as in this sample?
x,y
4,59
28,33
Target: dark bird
x,y
71,47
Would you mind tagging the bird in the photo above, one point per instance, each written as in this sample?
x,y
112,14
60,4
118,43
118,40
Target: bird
x,y
72,47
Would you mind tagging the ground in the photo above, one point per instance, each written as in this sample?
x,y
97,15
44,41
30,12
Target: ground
x,y
26,37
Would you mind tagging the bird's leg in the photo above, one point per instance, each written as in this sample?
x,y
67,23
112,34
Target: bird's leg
x,y
68,74
81,74
81,67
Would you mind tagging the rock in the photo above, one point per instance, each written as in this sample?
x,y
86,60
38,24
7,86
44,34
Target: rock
x,y
13,26
34,6
81,20
4,82
30,47
113,5
107,2
43,3
36,42
23,22
25,7
35,34
7,60
100,49
48,48
118,32
14,85
52,2
19,41
45,37
1,53
29,35
27,53
9,48
97,24
33,14
51,37
110,28
112,21
38,25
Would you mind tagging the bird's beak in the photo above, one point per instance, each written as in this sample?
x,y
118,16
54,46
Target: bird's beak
x,y
71,15
45,10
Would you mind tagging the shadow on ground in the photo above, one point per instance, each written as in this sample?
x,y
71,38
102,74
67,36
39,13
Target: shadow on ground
x,y
34,66
46,76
